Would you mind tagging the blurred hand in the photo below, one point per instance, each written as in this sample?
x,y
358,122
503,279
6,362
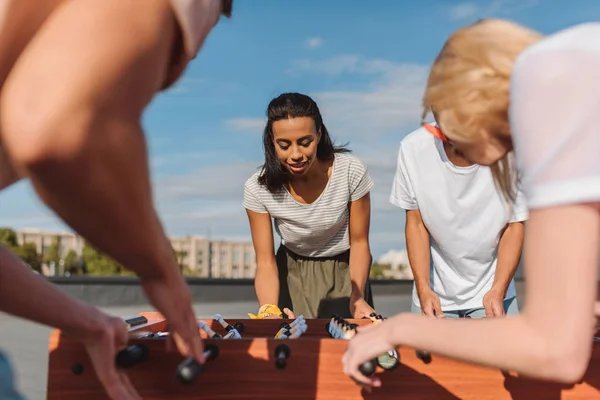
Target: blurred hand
x,y
493,302
103,341
369,342
172,298
430,304
289,313
360,309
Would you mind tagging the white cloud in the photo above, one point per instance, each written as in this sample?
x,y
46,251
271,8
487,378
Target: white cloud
x,y
331,66
189,87
220,220
22,208
313,42
463,11
391,101
246,124
160,160
213,182
41,219
493,8
207,201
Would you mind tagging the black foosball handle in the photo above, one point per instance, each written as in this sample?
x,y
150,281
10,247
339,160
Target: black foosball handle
x,y
131,355
188,370
282,353
239,327
368,368
135,321
424,356
389,362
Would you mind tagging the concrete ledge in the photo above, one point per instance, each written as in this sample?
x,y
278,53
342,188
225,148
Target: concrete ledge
x,y
126,291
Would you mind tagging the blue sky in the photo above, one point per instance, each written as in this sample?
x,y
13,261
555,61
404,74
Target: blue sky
x,y
365,64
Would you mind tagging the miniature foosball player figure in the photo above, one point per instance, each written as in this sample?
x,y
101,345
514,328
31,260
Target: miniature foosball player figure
x,y
293,330
318,196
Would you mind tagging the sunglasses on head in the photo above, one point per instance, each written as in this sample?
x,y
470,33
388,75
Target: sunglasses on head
x,y
435,131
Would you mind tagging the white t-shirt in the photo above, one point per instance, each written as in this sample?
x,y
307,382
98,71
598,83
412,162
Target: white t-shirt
x,y
319,229
464,213
555,117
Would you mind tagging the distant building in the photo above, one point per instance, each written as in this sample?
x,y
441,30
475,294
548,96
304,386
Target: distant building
x,y
196,254
215,259
399,266
193,252
44,239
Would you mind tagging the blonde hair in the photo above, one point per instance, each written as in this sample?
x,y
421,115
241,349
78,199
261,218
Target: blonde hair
x,y
469,83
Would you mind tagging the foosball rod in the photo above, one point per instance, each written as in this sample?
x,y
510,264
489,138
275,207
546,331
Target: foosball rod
x,y
391,359
212,334
189,369
131,355
237,330
346,332
422,355
282,351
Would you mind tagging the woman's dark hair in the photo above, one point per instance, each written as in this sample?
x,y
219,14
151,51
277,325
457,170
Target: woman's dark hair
x,y
284,106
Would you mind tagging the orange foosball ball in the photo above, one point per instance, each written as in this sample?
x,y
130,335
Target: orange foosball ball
x,y
261,359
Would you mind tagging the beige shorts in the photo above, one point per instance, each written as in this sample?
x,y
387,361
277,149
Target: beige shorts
x,y
195,18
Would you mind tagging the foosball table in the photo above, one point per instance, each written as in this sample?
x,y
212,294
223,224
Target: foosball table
x,y
256,359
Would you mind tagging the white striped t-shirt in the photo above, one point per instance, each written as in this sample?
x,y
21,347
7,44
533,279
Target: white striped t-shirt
x,y
319,229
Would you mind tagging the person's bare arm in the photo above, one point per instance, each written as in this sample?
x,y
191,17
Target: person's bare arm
x,y
266,282
360,251
26,294
417,246
552,337
8,173
360,255
419,257
509,255
71,123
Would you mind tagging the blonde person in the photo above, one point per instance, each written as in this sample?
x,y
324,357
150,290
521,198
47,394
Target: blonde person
x,y
75,79
319,198
496,86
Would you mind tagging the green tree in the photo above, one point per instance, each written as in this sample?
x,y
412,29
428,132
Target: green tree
x,y
180,255
9,237
377,270
99,264
72,263
28,253
187,271
53,252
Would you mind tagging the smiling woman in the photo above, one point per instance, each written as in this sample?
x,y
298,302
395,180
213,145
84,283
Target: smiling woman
x,y
318,196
